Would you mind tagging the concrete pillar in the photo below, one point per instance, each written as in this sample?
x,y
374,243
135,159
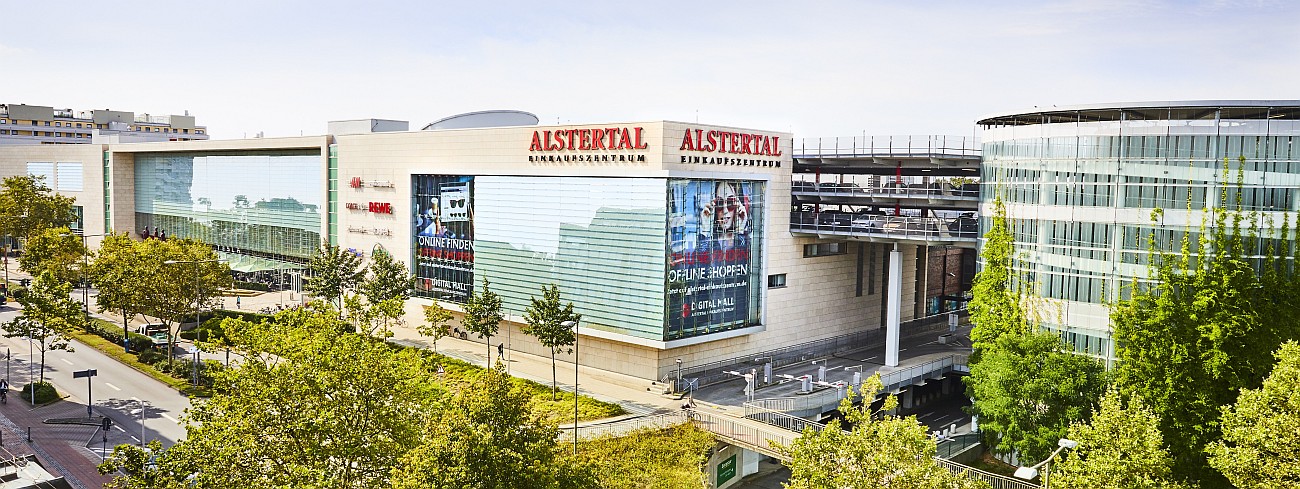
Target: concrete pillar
x,y
894,309
906,401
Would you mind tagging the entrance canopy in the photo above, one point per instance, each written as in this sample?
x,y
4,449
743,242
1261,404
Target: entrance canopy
x,y
246,263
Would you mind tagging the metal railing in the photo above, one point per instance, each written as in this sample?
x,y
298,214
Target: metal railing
x,y
892,380
716,372
780,419
994,480
623,427
875,188
748,433
754,435
926,145
951,446
924,228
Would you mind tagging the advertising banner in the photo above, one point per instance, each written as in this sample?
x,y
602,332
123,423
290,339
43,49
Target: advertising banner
x,y
712,255
444,236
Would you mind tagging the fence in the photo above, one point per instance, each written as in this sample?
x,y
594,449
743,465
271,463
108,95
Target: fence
x,y
715,372
872,185
964,146
955,444
892,380
932,228
780,419
750,434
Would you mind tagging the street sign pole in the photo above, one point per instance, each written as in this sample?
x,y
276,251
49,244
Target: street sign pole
x,y
90,398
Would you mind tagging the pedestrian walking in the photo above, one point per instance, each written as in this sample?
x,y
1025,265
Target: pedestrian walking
x,y
237,306
501,350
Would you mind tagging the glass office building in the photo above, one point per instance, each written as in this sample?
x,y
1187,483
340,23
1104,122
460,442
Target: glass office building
x,y
1080,184
653,258
262,210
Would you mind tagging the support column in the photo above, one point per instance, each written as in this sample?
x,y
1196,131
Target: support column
x,y
894,309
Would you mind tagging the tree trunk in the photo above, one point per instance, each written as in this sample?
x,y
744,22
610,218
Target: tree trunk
x,y
555,394
42,374
489,345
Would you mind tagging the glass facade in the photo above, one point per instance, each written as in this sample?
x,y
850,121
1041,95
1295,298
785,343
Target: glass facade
x,y
256,205
1081,186
630,253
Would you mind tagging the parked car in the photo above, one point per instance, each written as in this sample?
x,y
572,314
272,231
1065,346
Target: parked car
x,y
914,226
965,225
868,223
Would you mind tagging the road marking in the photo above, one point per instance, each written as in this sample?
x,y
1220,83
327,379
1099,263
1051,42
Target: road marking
x,y
119,428
69,362
116,388
136,399
165,415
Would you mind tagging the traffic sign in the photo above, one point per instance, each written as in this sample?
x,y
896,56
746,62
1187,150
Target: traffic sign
x,y
84,373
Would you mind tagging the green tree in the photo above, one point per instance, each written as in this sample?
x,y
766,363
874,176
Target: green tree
x,y
374,320
437,323
546,318
488,438
879,451
48,316
118,274
387,279
483,315
1202,328
996,306
181,278
1120,448
334,272
1260,447
57,251
310,406
28,206
1028,390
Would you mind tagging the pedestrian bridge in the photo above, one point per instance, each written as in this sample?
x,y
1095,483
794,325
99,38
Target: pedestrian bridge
x,y
763,431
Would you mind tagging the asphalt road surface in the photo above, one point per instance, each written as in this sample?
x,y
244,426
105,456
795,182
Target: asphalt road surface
x,y
119,391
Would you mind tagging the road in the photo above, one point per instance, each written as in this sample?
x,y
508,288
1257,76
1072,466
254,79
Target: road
x,y
118,390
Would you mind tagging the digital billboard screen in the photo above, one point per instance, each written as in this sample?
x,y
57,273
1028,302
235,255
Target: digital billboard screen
x,y
714,255
444,236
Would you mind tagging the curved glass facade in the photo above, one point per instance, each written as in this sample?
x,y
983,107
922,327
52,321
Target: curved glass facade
x,y
1080,186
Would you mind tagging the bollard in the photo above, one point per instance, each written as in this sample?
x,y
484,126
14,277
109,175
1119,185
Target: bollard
x,y
29,434
767,373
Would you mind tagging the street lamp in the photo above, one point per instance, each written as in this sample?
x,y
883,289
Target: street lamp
x,y
197,307
574,325
1028,473
85,287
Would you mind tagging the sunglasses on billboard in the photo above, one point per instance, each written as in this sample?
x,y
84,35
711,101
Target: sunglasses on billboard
x,y
729,202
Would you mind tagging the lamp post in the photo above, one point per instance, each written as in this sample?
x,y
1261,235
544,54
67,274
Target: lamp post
x,y
678,385
574,325
1028,473
197,307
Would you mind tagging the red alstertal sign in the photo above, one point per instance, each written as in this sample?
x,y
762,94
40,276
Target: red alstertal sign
x,y
731,142
588,139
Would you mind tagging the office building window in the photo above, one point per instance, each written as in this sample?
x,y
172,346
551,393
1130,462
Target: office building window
x,y
824,249
776,281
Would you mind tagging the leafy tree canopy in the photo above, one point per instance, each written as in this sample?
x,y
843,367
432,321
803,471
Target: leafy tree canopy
x,y
1120,448
487,438
546,318
28,206
334,272
56,250
879,451
1260,447
1029,389
388,279
49,316
310,406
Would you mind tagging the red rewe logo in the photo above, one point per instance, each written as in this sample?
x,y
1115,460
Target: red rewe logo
x,y
381,207
356,182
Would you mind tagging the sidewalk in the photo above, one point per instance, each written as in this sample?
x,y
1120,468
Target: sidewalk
x,y
62,449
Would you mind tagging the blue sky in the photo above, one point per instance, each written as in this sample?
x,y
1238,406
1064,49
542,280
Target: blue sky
x,y
815,68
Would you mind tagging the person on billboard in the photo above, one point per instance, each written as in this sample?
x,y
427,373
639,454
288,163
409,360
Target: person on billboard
x,y
431,221
724,219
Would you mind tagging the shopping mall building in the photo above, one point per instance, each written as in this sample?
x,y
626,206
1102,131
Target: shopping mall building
x,y
1080,184
704,243
673,240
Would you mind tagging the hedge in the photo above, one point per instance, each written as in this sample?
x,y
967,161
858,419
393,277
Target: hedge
x,y
44,393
